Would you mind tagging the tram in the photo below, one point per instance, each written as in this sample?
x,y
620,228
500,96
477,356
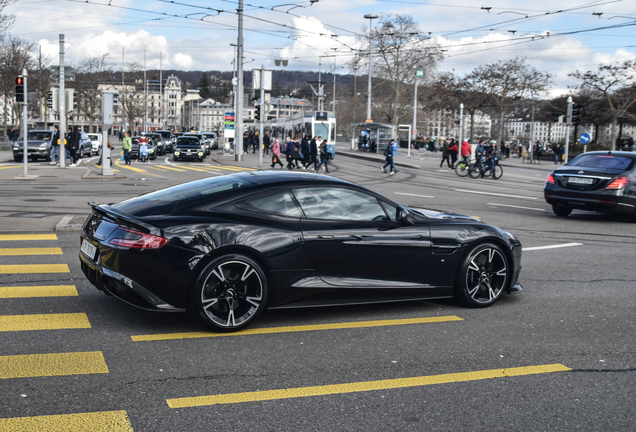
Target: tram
x,y
312,123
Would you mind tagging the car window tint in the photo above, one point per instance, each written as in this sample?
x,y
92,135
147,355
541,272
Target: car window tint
x,y
339,204
390,210
280,203
603,161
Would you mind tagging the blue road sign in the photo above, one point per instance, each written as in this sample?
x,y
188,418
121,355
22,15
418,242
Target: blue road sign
x,y
585,138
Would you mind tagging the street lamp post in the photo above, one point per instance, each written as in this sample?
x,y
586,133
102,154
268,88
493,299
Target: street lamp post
x,y
370,17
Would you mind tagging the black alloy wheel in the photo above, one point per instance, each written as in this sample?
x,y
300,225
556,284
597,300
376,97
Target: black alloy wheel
x,y
483,277
17,159
230,295
80,154
561,211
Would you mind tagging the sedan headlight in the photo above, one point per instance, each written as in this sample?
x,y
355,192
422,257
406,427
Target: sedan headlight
x,y
200,153
177,153
43,145
159,144
151,150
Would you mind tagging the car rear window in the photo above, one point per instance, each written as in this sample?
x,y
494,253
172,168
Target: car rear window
x,y
603,161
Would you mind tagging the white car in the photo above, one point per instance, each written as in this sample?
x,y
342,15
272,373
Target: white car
x,y
96,142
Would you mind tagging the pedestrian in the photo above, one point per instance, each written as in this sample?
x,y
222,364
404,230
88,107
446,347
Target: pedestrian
x,y
246,142
324,156
266,143
55,145
255,142
14,135
465,151
126,146
313,152
101,158
276,154
452,150
524,154
557,154
72,142
389,152
289,153
305,153
445,154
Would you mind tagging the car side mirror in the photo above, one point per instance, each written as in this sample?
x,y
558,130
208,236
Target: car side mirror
x,y
402,215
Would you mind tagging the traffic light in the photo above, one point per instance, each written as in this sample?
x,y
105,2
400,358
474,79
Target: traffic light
x,y
19,89
116,99
457,122
52,100
71,100
576,112
257,112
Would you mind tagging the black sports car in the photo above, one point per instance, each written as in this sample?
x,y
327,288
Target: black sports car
x,y
599,181
188,148
224,248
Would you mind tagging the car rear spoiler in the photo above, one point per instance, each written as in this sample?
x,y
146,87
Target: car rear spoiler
x,y
108,211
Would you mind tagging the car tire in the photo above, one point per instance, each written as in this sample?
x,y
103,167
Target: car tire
x,y
561,211
80,154
230,293
632,217
174,158
17,159
483,276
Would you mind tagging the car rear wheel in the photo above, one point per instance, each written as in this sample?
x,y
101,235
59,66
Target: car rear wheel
x,y
230,295
561,211
484,275
17,159
632,217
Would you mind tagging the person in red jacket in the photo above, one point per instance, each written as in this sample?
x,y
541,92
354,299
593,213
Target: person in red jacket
x,y
465,151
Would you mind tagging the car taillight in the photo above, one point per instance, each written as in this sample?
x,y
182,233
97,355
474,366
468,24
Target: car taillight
x,y
550,178
137,240
618,183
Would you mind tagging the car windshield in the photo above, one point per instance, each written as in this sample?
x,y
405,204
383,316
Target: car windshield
x,y
603,161
210,136
39,135
188,142
165,135
94,137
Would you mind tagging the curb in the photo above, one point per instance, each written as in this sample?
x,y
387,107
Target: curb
x,y
374,159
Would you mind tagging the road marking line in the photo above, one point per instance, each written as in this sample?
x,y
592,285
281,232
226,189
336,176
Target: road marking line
x,y
43,322
38,291
9,167
169,168
41,365
192,168
495,194
415,195
551,246
34,268
362,386
514,206
139,170
112,421
291,329
16,237
30,251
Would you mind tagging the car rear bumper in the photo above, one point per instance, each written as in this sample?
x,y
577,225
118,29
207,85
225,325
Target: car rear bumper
x,y
607,201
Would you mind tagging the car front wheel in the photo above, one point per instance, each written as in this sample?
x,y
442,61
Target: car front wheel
x,y
230,294
484,275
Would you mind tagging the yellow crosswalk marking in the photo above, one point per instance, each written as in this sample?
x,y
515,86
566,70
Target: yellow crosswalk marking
x,y
40,365
20,237
15,166
38,291
34,268
30,251
106,421
362,386
43,322
170,168
191,168
138,170
290,329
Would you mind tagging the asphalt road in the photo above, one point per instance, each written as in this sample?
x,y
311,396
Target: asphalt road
x,y
560,356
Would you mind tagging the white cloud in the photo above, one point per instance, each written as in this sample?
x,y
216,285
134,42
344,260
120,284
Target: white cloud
x,y
183,61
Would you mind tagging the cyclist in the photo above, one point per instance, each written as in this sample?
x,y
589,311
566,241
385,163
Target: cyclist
x,y
480,153
489,154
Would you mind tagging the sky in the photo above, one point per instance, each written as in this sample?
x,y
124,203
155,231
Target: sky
x,y
557,37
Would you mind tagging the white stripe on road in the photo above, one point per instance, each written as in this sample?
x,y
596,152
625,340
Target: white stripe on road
x,y
416,195
551,246
514,206
495,194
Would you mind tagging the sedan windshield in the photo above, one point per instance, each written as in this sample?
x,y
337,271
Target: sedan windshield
x,y
606,161
188,142
165,135
39,135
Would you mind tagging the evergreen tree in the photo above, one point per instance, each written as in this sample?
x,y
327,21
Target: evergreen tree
x,y
204,87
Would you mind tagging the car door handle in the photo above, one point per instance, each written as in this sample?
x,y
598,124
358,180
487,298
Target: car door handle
x,y
325,237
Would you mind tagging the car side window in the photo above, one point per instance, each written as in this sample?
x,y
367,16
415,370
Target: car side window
x,y
281,203
339,204
390,210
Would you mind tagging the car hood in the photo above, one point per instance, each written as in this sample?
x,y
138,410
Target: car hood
x,y
437,214
33,143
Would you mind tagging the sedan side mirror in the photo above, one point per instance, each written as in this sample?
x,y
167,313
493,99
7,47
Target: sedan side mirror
x,y
402,215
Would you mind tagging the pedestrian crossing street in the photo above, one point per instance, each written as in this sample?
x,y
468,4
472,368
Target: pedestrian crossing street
x,y
40,365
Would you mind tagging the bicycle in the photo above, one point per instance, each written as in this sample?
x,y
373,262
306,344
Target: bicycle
x,y
477,170
462,167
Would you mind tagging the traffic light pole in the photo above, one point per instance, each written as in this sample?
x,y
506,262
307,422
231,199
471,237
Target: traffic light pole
x,y
62,95
568,121
25,128
260,133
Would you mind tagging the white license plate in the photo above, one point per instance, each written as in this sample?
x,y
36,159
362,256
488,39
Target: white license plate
x,y
88,249
580,180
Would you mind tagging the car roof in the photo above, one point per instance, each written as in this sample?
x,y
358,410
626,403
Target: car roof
x,y
630,155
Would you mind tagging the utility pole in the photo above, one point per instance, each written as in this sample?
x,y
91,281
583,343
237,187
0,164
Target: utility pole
x,y
25,128
418,73
370,17
568,122
238,116
123,103
260,129
531,149
162,102
461,123
62,110
145,96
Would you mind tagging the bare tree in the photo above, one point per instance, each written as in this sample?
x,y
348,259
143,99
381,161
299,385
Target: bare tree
x,y
15,55
6,21
506,82
90,74
616,85
398,51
